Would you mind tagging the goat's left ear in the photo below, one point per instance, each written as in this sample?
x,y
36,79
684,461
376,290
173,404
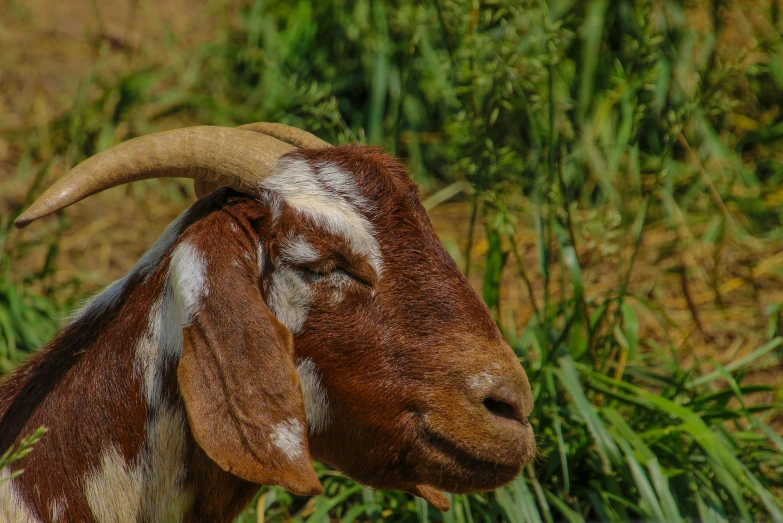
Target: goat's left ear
x,y
237,373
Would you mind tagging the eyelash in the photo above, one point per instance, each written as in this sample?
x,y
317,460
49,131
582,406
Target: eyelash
x,y
324,271
320,270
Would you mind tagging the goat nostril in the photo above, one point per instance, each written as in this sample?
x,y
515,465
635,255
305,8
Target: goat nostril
x,y
502,409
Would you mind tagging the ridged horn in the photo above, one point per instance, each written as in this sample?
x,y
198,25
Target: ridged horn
x,y
220,156
285,133
288,134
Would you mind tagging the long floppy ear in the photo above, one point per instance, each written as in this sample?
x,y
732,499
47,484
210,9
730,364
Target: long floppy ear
x,y
237,373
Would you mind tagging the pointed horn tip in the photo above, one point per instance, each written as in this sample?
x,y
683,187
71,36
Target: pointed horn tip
x,y
24,220
33,213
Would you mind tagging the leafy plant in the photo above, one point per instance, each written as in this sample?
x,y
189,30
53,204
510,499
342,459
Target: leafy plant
x,y
28,314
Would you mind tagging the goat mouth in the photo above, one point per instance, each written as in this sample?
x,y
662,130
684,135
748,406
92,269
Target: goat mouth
x,y
462,455
474,472
510,441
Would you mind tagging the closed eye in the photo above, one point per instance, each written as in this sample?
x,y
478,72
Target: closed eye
x,y
319,270
353,276
330,269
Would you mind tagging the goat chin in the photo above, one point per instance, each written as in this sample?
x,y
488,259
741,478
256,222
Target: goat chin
x,y
312,314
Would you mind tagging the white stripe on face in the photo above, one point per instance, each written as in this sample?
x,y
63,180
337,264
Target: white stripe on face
x,y
297,250
330,198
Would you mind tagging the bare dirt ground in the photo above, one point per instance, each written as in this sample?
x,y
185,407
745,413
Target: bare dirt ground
x,y
48,46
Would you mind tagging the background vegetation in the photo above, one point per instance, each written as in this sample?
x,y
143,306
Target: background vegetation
x,y
607,172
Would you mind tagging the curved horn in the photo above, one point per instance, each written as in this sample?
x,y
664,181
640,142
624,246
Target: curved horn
x,y
221,156
285,133
288,134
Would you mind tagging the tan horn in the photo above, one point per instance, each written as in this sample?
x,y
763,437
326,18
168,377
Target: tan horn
x,y
288,134
285,133
221,156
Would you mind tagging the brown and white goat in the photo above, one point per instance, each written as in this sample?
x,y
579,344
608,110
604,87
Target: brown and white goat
x,y
308,311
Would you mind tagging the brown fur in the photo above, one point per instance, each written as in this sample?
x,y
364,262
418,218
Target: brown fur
x,y
396,356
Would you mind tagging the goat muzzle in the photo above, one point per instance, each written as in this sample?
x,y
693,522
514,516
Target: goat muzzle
x,y
480,430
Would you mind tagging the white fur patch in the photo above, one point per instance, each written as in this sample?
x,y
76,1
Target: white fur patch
x,y
188,273
150,489
329,197
289,437
341,182
160,344
145,266
289,298
260,258
482,380
113,492
147,360
295,249
163,466
153,257
163,338
315,399
337,282
12,506
337,297
55,510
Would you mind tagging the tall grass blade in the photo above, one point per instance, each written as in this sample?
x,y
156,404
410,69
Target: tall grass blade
x,y
605,446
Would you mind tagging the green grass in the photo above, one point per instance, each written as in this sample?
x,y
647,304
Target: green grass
x,y
549,110
16,453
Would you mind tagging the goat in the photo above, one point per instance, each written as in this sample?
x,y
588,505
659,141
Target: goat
x,y
302,308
